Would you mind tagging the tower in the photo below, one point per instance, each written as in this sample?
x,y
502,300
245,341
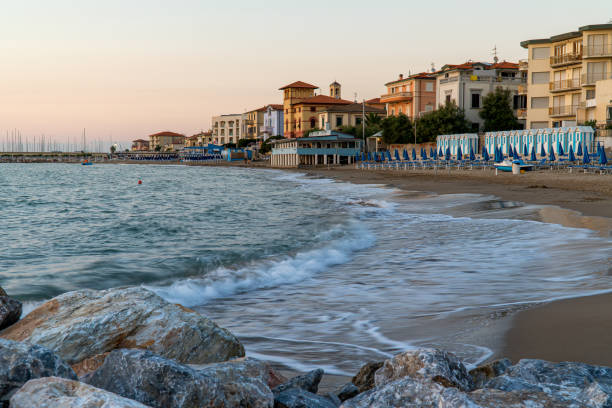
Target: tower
x,y
335,90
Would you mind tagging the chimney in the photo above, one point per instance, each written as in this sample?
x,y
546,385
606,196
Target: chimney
x,y
401,76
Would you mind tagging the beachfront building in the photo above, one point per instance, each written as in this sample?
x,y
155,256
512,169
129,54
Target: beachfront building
x,y
467,141
228,128
542,139
166,141
140,145
410,96
191,141
254,123
325,147
302,106
335,117
467,84
273,121
204,138
570,78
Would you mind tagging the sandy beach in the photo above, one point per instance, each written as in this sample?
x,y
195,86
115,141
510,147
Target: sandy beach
x,y
578,329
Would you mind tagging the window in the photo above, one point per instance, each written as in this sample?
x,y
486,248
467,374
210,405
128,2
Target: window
x,y
596,71
590,94
540,77
313,109
338,121
429,86
540,53
399,110
539,102
609,117
448,99
231,132
357,121
392,112
519,102
313,123
429,108
475,100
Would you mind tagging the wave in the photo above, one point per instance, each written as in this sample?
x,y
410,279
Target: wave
x,y
337,248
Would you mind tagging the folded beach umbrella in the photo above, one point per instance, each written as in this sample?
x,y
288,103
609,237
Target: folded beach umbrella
x,y
363,156
510,151
434,154
587,158
431,153
472,155
533,154
424,154
603,159
448,156
598,147
579,153
552,156
440,153
389,155
485,154
459,154
405,155
397,156
560,149
572,158
525,151
369,156
413,153
515,154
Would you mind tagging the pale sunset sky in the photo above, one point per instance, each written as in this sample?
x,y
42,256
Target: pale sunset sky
x,y
126,69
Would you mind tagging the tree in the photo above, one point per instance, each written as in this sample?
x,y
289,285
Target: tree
x,y
373,119
113,149
447,120
497,111
266,146
397,129
158,148
591,123
246,142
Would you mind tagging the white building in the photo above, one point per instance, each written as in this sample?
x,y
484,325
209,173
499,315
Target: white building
x,y
467,84
273,121
228,128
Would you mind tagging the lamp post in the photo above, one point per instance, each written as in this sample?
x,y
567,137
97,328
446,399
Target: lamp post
x,y
363,125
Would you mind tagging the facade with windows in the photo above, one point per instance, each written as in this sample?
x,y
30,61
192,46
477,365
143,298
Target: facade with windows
x,y
325,148
273,121
335,117
411,96
569,78
254,123
541,140
166,141
228,128
467,84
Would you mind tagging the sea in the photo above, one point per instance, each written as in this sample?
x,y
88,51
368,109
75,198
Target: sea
x,y
308,272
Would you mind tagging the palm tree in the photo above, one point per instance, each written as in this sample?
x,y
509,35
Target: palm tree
x,y
372,119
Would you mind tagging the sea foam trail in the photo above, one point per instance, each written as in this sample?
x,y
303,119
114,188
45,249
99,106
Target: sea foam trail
x,y
290,269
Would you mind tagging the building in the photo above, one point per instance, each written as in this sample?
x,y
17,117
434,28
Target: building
x,y
254,123
325,147
140,145
570,78
228,128
166,141
191,141
302,106
273,121
410,96
376,103
205,138
338,116
467,84
542,139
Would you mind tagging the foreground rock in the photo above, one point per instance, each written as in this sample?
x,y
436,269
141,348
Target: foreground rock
x,y
480,375
10,311
308,382
52,392
159,382
427,365
300,398
20,362
81,326
2,292
364,380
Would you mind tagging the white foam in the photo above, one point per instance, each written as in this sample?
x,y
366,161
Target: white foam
x,y
28,306
297,365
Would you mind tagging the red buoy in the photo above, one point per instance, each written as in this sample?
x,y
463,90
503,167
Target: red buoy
x,y
139,181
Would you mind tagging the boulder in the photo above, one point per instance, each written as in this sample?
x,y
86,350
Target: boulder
x,y
85,324
2,292
347,391
52,392
10,311
481,374
20,362
160,382
364,380
309,382
300,398
427,365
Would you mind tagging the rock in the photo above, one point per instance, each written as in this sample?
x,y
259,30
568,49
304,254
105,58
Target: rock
x,y
364,380
426,364
2,292
160,382
483,373
86,324
10,311
52,392
20,362
583,383
334,399
275,378
300,398
309,382
347,391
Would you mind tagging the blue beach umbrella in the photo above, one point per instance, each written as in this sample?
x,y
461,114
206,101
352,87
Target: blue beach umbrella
x,y
369,156
485,154
603,159
542,150
459,155
363,156
560,149
397,156
587,158
434,154
389,155
552,156
598,147
431,152
472,155
579,153
448,156
510,151
572,158
525,151
424,154
515,154
413,153
440,152
405,155
533,154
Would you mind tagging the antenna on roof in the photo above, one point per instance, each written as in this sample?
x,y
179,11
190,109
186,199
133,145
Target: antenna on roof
x,y
495,59
355,97
433,67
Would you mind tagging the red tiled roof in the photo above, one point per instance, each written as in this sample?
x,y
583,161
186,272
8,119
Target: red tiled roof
x,y
373,100
192,137
276,107
505,65
299,84
166,133
323,100
140,141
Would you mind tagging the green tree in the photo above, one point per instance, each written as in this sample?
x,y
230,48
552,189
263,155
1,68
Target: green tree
x,y
113,149
246,142
497,111
158,148
397,129
373,119
447,120
591,123
266,146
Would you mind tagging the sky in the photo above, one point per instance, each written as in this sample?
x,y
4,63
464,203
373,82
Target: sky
x,y
125,69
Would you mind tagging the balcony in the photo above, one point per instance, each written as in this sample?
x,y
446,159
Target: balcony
x,y
565,59
523,65
590,79
564,110
521,113
396,97
601,50
565,85
522,89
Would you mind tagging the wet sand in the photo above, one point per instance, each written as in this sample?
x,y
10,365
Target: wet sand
x,y
578,329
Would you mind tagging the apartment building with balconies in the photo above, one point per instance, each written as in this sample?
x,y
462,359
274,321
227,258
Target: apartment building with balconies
x,y
273,121
254,123
410,96
467,84
228,128
570,78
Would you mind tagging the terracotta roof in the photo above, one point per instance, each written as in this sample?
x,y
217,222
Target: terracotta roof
x,y
299,84
276,107
323,100
373,100
140,141
356,108
486,65
505,65
421,75
192,137
166,133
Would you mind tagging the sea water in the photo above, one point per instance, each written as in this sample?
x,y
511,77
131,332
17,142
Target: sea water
x,y
308,272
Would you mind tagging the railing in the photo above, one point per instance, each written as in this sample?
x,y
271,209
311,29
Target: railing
x,y
564,84
563,110
590,79
521,113
522,89
397,95
601,50
563,59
